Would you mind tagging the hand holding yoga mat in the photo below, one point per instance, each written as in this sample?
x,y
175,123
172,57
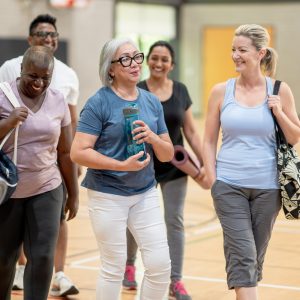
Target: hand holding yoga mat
x,y
189,165
184,162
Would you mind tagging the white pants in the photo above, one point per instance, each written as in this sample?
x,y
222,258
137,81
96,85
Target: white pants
x,y
110,215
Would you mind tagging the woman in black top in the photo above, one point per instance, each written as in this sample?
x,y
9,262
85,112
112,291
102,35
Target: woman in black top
x,y
176,104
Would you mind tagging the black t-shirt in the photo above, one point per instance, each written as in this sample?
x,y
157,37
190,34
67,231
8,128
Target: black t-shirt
x,y
174,110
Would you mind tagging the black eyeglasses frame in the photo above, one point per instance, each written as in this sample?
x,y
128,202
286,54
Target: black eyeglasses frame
x,y
131,59
45,34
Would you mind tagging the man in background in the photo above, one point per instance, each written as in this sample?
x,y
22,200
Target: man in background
x,y
43,31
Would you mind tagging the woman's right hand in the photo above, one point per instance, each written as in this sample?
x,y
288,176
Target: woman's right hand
x,y
18,115
133,163
203,180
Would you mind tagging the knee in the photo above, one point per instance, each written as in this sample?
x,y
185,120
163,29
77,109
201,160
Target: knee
x,y
43,260
174,222
158,264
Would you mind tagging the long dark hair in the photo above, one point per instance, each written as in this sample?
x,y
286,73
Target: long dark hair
x,y
162,44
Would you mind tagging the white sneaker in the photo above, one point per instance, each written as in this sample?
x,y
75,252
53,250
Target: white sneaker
x,y
18,280
62,286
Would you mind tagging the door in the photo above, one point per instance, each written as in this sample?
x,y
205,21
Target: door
x,y
217,62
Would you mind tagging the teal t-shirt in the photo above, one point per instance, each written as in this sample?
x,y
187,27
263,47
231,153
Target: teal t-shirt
x,y
103,117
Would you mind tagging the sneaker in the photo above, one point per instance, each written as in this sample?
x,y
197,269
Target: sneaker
x,y
129,282
62,286
178,292
18,280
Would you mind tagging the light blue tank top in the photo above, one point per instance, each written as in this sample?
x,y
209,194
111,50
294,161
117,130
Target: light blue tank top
x,y
247,157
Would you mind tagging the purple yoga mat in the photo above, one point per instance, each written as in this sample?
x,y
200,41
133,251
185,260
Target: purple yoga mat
x,y
185,162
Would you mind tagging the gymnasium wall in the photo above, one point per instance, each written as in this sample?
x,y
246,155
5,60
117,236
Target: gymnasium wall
x,y
83,31
283,18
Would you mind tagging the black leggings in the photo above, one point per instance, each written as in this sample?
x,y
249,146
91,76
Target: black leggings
x,y
33,221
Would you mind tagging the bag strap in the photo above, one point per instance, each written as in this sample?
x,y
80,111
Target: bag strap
x,y
280,137
6,88
276,87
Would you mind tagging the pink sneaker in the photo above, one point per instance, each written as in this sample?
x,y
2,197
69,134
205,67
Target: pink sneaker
x,y
129,282
178,292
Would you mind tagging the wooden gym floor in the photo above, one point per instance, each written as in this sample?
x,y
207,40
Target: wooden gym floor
x,y
204,274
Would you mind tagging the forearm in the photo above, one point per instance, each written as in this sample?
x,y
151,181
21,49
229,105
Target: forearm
x,y
290,130
74,118
196,145
5,126
90,158
191,134
69,173
209,158
163,149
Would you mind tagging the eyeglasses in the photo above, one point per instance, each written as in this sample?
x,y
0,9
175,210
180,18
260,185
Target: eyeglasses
x,y
44,34
126,61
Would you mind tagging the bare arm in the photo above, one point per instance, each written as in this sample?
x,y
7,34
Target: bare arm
x,y
283,106
191,134
211,133
68,170
163,148
83,153
194,140
74,118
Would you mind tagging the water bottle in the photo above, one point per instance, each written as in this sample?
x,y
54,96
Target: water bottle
x,y
131,114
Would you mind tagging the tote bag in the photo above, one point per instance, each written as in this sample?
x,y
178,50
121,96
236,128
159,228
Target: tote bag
x,y
8,167
288,165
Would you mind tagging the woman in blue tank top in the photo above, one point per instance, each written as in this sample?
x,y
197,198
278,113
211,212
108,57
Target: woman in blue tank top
x,y
244,175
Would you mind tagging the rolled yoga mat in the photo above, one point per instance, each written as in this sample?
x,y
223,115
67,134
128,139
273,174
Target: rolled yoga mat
x,y
185,162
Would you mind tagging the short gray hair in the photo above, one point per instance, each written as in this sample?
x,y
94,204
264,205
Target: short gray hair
x,y
107,55
39,55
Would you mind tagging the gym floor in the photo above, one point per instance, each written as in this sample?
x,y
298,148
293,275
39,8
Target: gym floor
x,y
204,264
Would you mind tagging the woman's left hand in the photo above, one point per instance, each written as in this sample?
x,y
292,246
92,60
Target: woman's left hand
x,y
143,134
274,103
71,208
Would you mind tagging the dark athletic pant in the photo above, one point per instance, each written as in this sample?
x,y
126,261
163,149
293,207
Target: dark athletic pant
x,y
33,221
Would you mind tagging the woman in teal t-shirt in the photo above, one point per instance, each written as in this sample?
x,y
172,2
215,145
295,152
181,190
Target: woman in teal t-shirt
x,y
122,190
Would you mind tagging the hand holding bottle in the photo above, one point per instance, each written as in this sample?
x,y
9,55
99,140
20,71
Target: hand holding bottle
x,y
143,134
134,162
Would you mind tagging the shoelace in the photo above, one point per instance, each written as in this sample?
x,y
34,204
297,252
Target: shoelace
x,y
130,273
179,287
